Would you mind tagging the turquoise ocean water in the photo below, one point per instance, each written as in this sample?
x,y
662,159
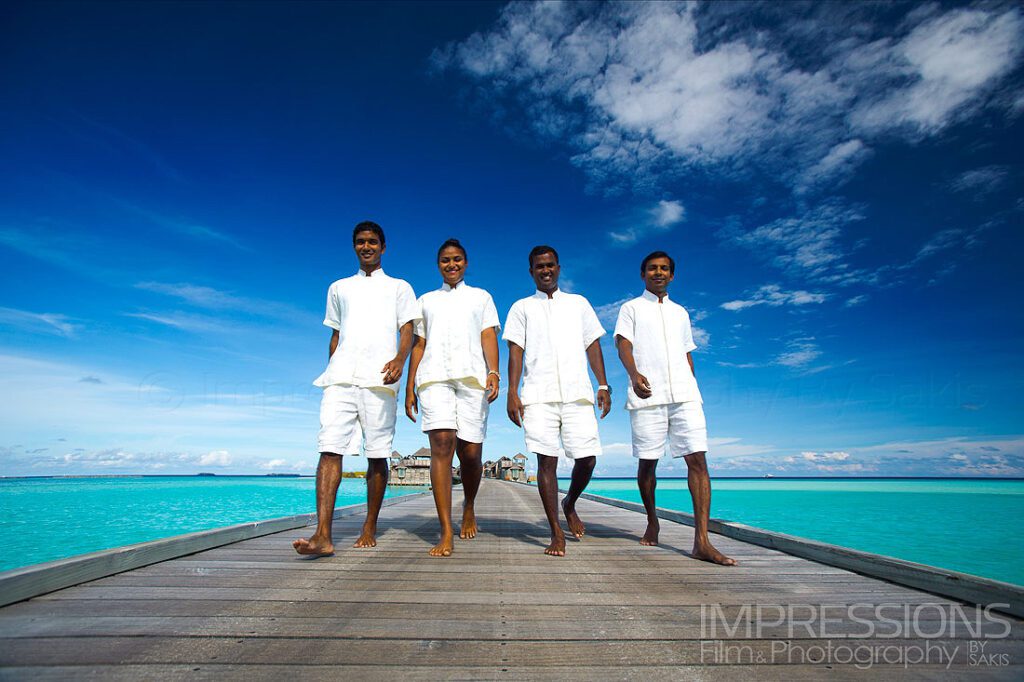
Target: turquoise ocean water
x,y
973,526
53,518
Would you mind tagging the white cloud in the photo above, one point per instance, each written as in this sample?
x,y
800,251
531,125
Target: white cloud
x,y
735,447
200,324
641,89
608,313
774,295
837,456
808,245
124,417
667,213
854,301
185,227
800,353
980,182
215,299
943,457
701,337
938,73
46,323
835,167
274,464
940,241
660,218
220,458
195,294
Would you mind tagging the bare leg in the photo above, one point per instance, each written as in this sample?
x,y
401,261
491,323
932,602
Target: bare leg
x,y
547,485
376,484
328,477
582,470
647,481
442,449
700,490
472,469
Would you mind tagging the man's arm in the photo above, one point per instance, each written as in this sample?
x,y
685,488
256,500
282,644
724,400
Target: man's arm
x,y
393,369
334,344
489,342
514,405
411,404
596,359
641,386
689,359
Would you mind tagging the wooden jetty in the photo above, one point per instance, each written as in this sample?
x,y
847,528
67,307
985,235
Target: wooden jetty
x,y
498,608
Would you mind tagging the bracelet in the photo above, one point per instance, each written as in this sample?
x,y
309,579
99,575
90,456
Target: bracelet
x,y
495,373
605,387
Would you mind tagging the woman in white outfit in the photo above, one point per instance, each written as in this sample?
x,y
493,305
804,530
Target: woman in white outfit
x,y
453,378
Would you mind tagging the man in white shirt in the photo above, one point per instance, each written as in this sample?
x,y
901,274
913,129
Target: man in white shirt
x,y
555,335
655,341
365,311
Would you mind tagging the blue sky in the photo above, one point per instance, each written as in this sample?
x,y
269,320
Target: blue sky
x,y
840,186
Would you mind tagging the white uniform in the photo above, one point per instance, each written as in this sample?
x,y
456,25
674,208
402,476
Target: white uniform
x,y
452,374
673,415
557,395
367,311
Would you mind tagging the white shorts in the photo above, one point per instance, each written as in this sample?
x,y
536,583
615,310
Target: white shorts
x,y
680,426
454,405
345,410
574,424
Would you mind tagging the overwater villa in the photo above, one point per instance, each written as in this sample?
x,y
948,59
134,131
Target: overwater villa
x,y
414,469
507,468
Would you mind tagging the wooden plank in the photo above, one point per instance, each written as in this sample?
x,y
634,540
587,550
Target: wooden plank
x,y
457,671
458,598
31,581
969,588
484,627
582,613
545,654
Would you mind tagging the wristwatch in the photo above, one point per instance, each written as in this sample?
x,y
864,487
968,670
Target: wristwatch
x,y
495,373
605,387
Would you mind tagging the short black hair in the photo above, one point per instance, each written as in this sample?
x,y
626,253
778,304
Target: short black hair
x,y
543,248
368,226
452,241
658,254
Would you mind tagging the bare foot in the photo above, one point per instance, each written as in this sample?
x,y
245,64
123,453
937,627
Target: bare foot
x,y
557,546
468,529
576,526
443,548
710,554
650,538
313,547
368,538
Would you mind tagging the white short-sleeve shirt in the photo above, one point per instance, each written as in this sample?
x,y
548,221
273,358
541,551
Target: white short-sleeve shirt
x,y
554,334
452,320
367,311
661,336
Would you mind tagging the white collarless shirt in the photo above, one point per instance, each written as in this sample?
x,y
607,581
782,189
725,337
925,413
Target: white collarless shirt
x,y
452,319
367,311
554,334
661,336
